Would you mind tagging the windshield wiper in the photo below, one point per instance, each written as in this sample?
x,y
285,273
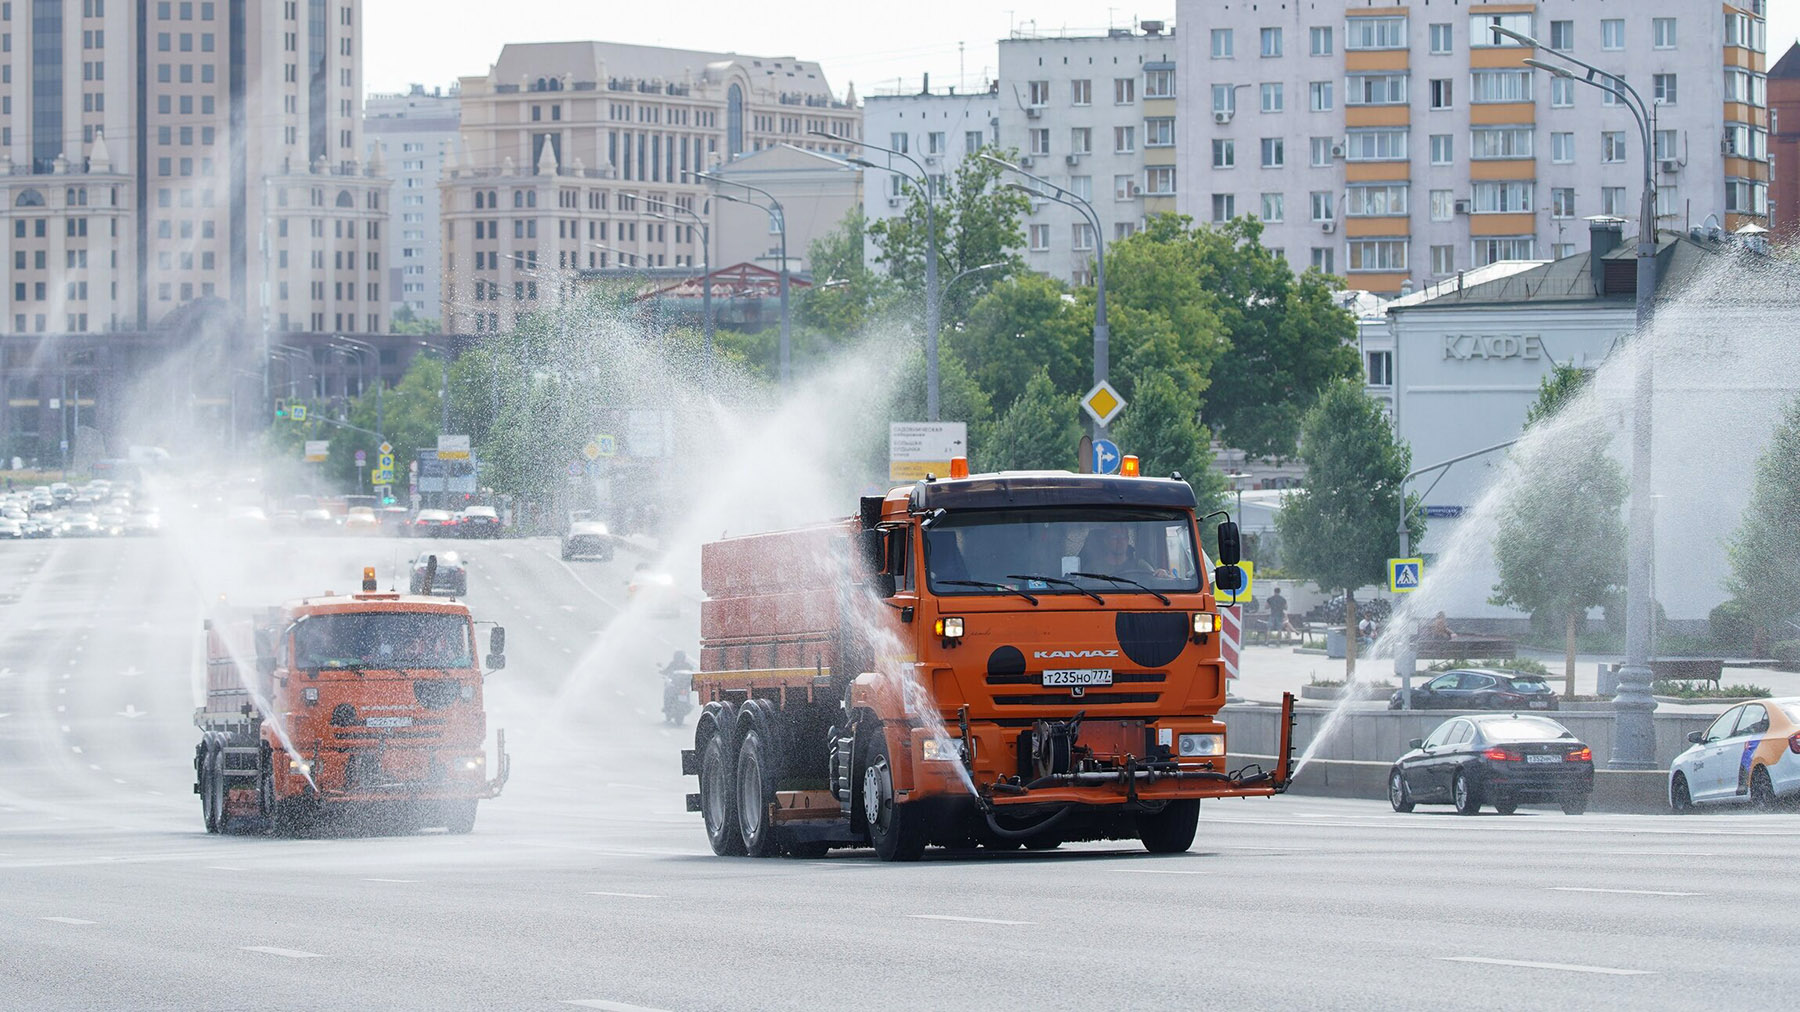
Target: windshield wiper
x,y
1052,579
990,586
1121,579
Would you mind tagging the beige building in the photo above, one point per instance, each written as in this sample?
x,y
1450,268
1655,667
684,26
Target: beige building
x,y
565,145
125,197
816,191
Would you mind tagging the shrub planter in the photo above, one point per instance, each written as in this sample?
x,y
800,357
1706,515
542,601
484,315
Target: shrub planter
x,y
1363,691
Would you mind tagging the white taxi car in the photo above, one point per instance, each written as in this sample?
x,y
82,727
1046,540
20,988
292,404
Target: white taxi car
x,y
1749,754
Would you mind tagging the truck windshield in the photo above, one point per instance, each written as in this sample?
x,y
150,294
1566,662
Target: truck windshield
x,y
1042,550
385,640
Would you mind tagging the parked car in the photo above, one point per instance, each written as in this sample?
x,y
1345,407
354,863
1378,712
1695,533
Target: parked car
x,y
433,523
1750,754
652,591
1502,759
587,535
478,522
11,530
451,578
1481,689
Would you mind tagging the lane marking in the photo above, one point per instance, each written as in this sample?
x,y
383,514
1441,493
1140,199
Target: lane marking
x,y
1620,892
65,920
223,867
396,881
1530,965
1160,871
629,896
275,950
609,1006
966,920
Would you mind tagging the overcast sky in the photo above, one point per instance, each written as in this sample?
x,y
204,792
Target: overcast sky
x,y
434,43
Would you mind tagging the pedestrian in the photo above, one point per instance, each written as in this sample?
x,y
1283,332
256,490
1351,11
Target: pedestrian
x,y
1278,607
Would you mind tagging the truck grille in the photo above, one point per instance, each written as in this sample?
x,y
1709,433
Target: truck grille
x,y
436,693
1085,699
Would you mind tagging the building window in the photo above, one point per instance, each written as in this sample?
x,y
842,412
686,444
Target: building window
x,y
1124,139
1040,237
897,141
1159,83
1443,149
1562,148
1562,35
1124,90
1612,33
1500,86
1441,39
1271,42
1375,89
1322,150
1663,31
1081,93
972,141
1320,203
1159,132
1612,145
1381,363
1320,37
1319,96
1378,255
1373,201
1224,152
1038,93
1489,251
1613,201
1081,140
1664,88
1562,250
1272,97
1081,236
1500,198
1224,98
1081,186
1040,140
1441,93
1124,230
1161,180
1375,33
1562,93
1274,152
1500,142
1666,146
1274,207
1443,205
1375,146
1323,259
1224,207
1221,44
1562,202
1481,29
934,143
1124,187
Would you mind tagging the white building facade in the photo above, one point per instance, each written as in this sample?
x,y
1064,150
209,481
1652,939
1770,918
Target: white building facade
x,y
938,129
1095,114
413,132
1405,143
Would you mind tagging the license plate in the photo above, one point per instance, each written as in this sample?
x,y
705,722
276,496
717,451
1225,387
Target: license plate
x,y
1540,704
1078,676
388,722
1543,758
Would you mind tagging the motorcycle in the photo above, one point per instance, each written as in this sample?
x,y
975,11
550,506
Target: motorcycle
x,y
678,694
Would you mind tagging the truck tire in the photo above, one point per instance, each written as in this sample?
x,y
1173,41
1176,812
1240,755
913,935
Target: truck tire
x,y
213,786
756,792
459,816
203,785
1170,831
718,798
897,830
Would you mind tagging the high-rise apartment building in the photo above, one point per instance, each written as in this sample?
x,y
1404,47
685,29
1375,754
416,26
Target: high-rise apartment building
x,y
1095,114
566,146
939,129
181,156
414,132
1784,144
1397,144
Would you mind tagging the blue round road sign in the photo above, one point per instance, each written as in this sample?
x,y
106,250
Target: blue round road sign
x,y
1106,457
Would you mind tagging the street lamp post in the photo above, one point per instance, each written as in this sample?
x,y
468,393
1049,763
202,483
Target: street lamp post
x,y
1102,333
1634,736
1237,479
934,307
779,218
706,309
380,418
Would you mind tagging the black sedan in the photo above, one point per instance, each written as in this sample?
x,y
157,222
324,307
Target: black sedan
x,y
1502,759
1480,689
451,577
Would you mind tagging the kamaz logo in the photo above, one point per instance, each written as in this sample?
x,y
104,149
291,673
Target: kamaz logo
x,y
1052,654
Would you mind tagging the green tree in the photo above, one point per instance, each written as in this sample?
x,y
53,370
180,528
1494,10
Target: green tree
x,y
1164,318
845,292
405,321
977,224
1163,429
1560,543
1041,430
1765,550
1023,324
411,413
1338,531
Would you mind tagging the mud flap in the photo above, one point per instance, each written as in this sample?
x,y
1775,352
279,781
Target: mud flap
x,y
1284,758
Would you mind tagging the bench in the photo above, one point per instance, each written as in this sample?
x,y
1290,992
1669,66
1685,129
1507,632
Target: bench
x,y
1466,648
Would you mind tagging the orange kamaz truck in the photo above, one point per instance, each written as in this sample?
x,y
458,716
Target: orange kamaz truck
x,y
363,708
1004,660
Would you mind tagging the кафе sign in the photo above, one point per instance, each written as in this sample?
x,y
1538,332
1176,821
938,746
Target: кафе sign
x,y
1465,347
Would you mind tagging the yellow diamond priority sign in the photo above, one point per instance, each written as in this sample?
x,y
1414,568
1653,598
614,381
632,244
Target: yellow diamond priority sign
x,y
1103,403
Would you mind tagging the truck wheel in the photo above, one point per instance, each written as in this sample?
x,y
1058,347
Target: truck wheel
x,y
1170,831
213,787
459,816
896,829
203,786
755,793
718,799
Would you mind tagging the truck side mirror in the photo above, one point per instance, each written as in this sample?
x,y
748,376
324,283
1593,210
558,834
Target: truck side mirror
x,y
1228,579
1230,549
871,550
496,648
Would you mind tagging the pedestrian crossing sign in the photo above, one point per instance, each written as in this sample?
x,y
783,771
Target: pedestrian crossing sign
x,y
1404,575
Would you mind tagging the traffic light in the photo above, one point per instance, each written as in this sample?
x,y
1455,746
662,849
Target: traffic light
x,y
281,407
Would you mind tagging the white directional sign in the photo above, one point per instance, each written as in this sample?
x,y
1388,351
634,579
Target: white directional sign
x,y
317,450
919,448
453,448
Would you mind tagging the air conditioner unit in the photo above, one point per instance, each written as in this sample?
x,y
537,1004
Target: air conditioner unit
x,y
1221,118
893,201
1462,206
1328,226
1071,159
1025,162
1337,151
933,160
1033,112
1133,190
1670,165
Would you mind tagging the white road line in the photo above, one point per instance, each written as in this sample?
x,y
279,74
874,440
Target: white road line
x,y
223,867
629,896
396,881
609,1006
274,950
1620,892
967,920
65,920
1161,871
1528,964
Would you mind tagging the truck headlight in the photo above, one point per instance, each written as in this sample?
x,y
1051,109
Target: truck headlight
x,y
950,628
943,749
468,691
300,766
472,763
1206,622
310,694
1201,744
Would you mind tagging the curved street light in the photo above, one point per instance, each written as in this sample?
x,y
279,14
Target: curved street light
x,y
779,218
706,311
